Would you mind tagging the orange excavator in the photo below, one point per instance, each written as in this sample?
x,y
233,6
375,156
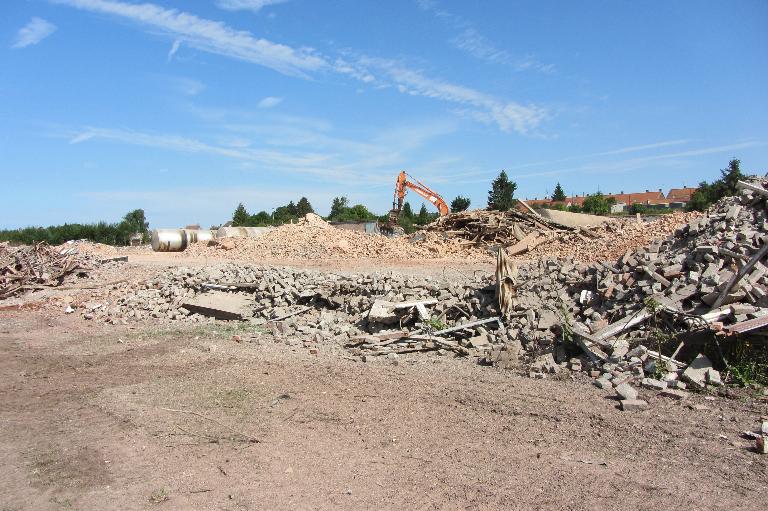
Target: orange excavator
x,y
401,187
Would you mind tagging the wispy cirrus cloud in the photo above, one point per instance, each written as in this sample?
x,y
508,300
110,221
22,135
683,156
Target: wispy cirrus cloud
x,y
211,36
471,41
616,166
285,144
174,48
217,37
189,145
246,5
33,32
507,115
269,102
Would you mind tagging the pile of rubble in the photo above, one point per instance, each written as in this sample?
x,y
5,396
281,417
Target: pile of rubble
x,y
657,320
491,228
314,238
679,295
530,235
610,240
39,266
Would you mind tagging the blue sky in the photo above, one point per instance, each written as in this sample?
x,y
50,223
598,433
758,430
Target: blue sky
x,y
187,108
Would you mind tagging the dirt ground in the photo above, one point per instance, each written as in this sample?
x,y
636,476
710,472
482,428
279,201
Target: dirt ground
x,y
97,417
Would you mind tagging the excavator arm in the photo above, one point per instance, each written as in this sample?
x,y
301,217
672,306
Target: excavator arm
x,y
403,184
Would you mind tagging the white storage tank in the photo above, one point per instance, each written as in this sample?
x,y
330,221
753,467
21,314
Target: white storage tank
x,y
176,240
169,240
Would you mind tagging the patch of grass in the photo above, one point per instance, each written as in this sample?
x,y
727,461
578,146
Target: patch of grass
x,y
749,373
159,496
435,323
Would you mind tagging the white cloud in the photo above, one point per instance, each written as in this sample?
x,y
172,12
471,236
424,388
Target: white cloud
x,y
174,48
471,41
507,115
246,5
211,36
270,101
33,32
217,37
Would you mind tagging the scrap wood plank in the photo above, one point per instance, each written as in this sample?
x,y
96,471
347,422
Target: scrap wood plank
x,y
664,358
743,271
378,339
530,242
526,206
628,322
414,303
468,325
288,315
588,344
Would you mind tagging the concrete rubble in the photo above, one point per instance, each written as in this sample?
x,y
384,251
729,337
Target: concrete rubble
x,y
634,324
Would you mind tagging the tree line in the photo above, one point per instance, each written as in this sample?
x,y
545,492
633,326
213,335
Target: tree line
x,y
705,195
500,198
119,233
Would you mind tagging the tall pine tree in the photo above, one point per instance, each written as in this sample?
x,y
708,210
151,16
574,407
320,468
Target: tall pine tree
x,y
501,194
559,194
304,207
241,217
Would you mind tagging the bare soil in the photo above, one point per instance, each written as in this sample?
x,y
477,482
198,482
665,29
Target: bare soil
x,y
97,417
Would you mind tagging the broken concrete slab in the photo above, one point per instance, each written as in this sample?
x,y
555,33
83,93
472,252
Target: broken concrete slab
x,y
220,305
696,372
653,384
626,391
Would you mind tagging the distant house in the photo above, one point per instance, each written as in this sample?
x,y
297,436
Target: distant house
x,y
136,239
677,198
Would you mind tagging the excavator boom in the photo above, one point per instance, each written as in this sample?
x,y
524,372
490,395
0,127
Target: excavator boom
x,y
402,185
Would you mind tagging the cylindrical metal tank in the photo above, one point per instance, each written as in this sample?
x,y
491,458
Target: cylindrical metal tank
x,y
241,232
196,235
169,240
176,240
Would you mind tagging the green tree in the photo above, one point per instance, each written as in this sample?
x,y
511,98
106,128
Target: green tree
x,y
303,207
730,176
260,219
407,211
240,217
501,194
292,209
136,221
338,206
707,194
423,216
460,203
597,204
637,208
559,194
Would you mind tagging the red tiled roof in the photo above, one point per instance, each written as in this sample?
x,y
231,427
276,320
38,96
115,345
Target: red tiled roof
x,y
681,194
635,198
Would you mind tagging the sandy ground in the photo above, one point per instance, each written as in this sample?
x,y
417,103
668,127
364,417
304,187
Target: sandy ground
x,y
97,417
